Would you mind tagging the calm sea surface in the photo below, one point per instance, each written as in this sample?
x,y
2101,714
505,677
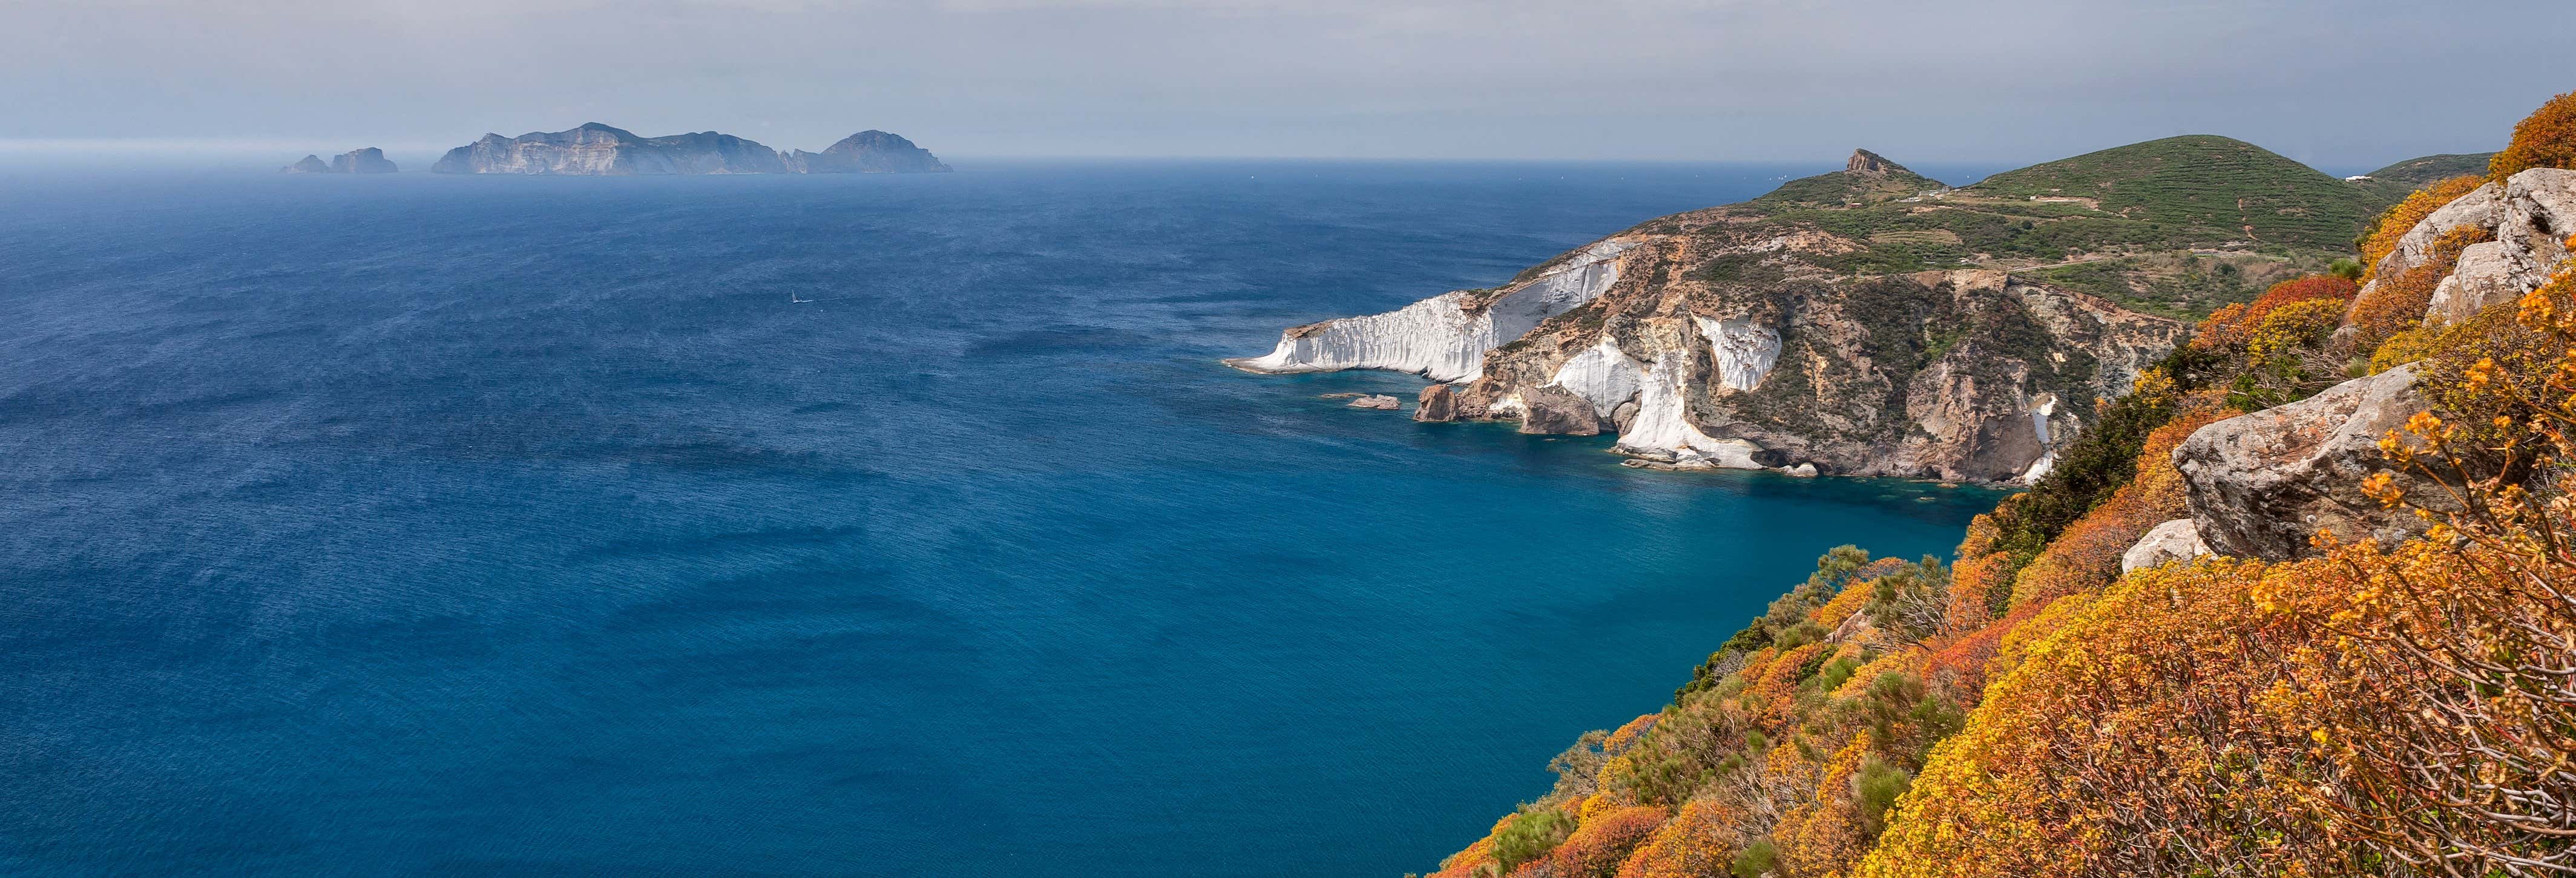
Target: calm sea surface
x,y
434,525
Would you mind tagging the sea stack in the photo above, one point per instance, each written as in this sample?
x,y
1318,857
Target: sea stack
x,y
369,160
311,164
867,152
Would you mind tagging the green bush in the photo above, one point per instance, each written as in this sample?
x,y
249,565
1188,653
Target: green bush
x,y
1530,835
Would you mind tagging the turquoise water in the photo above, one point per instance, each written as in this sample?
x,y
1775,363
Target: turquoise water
x,y
430,525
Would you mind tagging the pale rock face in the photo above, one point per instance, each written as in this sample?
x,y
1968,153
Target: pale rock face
x,y
1745,352
1663,431
2478,208
2176,540
2532,215
1602,375
1442,337
2260,485
2042,407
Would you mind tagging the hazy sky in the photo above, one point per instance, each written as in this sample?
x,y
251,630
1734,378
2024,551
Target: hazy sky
x,y
2337,84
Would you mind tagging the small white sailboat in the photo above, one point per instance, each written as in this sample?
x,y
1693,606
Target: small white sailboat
x,y
792,300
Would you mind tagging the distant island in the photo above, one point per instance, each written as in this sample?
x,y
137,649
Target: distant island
x,y
369,160
594,149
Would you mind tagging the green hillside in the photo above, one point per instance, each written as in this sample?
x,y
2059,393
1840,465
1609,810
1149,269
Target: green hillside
x,y
2160,226
2392,183
2201,188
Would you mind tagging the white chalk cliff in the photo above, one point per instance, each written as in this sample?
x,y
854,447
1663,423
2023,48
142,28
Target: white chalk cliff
x,y
1444,337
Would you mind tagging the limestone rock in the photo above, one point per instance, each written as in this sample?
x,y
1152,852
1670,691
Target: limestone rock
x,y
311,164
2260,485
2176,540
1377,401
369,160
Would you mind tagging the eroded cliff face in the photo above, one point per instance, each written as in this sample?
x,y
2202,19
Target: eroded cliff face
x,y
1721,338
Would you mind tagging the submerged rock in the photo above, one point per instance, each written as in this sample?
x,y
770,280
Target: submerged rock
x,y
2260,485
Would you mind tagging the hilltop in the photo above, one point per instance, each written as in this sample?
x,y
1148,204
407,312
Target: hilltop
x,y
2393,182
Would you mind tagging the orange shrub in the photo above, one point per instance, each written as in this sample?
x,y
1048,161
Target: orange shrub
x,y
2227,327
1601,844
2545,139
1699,842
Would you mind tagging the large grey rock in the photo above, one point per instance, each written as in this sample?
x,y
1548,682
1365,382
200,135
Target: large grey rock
x,y
369,160
311,164
1556,411
2481,207
2260,485
2176,540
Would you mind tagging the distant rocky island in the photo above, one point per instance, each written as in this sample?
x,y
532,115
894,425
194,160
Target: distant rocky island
x,y
594,149
357,161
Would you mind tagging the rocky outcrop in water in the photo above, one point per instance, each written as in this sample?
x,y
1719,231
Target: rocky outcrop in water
x,y
2260,485
310,164
369,160
1732,337
867,152
601,150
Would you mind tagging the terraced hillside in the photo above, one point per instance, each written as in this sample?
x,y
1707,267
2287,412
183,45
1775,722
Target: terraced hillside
x,y
2176,227
2393,182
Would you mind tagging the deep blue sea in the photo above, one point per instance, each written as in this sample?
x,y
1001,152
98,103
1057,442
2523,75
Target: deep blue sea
x,y
435,525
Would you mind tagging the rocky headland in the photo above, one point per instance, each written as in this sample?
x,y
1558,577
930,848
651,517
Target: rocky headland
x,y
594,149
1868,321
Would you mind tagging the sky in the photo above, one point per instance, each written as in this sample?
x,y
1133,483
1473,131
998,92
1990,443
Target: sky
x,y
2340,85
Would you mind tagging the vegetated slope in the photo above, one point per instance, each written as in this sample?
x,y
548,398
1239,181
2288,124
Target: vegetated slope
x,y
2199,188
2085,693
2177,226
2394,182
